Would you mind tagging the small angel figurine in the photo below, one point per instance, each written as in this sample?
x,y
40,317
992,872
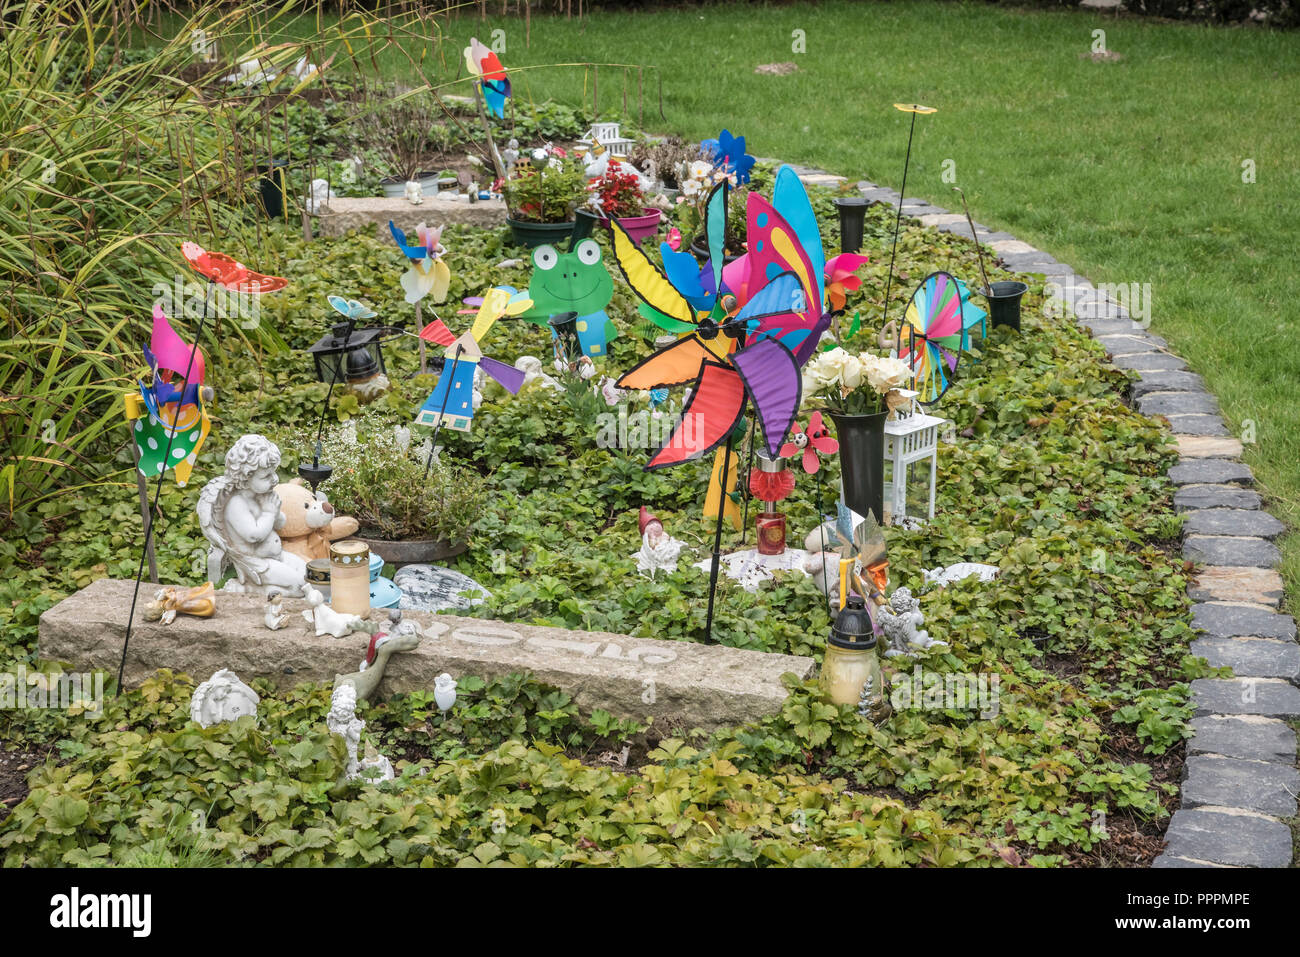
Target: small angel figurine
x,y
200,601
901,621
239,514
275,616
658,549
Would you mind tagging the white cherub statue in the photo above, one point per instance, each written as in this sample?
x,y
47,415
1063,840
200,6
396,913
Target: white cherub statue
x,y
239,514
901,621
223,697
444,691
343,721
658,550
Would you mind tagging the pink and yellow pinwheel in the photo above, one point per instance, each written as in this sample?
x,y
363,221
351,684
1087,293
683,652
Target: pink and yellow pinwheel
x,y
429,274
841,277
486,67
809,442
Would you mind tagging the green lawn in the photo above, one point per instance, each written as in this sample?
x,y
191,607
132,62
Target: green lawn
x,y
1130,170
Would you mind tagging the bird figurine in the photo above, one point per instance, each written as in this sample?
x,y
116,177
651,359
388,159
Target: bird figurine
x,y
275,617
326,619
444,691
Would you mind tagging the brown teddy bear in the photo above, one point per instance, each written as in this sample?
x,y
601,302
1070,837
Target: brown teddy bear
x,y
309,521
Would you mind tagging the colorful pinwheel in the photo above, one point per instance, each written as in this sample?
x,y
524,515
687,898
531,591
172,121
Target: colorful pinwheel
x,y
815,438
229,274
841,277
727,154
486,67
452,399
932,334
429,273
177,422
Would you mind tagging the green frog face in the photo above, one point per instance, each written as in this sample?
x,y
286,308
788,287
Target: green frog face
x,y
575,281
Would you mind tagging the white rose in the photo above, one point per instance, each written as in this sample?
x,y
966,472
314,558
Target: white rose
x,y
852,372
885,373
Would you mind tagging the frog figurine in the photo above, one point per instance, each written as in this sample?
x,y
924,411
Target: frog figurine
x,y
576,281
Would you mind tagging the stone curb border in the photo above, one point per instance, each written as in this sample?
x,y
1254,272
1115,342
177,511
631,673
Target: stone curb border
x,y
1240,779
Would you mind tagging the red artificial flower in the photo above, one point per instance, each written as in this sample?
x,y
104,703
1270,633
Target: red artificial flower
x,y
810,441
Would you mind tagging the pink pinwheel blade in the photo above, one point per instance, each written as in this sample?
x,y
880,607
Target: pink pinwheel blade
x,y
172,352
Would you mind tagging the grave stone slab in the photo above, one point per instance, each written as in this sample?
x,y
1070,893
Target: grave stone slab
x,y
681,684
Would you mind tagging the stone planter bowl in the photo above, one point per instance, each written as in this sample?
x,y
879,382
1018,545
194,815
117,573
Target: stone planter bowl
x,y
420,551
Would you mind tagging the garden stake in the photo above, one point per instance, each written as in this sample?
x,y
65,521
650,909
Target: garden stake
x,y
975,239
157,495
717,541
902,194
428,462
744,522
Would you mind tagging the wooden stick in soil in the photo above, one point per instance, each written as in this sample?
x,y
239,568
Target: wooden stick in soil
x,y
419,326
979,248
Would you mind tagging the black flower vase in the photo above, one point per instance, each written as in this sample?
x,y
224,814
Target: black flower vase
x,y
1004,302
862,461
853,214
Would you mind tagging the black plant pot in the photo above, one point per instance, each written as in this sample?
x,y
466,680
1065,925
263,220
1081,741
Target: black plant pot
x,y
273,187
583,224
853,214
1004,302
862,461
700,249
539,234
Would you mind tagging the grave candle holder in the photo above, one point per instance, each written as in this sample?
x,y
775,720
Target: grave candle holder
x,y
350,577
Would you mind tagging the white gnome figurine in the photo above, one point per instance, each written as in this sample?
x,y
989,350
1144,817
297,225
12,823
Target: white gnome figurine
x,y
659,550
444,692
901,621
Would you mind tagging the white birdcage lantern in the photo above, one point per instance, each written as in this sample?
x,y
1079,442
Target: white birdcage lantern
x,y
911,464
610,136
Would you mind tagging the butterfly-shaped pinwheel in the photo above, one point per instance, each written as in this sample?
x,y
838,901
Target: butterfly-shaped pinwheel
x,y
350,308
808,442
743,338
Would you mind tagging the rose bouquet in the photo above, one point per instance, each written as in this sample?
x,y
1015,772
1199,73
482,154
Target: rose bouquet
x,y
848,384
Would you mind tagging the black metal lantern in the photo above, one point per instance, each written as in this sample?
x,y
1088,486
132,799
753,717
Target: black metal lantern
x,y
348,354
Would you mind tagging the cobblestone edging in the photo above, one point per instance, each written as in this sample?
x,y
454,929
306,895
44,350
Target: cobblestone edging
x,y
1240,780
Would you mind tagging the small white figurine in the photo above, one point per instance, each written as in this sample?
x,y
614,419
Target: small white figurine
x,y
342,720
941,576
275,617
531,367
223,697
822,563
318,199
658,550
444,691
510,156
901,621
326,619
414,192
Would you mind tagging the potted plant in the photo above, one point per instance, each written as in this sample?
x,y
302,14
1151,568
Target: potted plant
x,y
541,197
379,479
618,194
664,158
858,392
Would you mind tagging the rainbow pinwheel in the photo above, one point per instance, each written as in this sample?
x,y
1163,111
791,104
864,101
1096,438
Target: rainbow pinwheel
x,y
746,330
172,432
452,400
486,66
429,273
809,442
934,331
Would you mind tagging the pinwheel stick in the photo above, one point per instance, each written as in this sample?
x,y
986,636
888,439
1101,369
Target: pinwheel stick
x,y
147,550
744,522
419,326
898,219
433,446
717,541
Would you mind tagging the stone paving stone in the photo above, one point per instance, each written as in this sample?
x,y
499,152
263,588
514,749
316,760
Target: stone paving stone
x,y
1210,470
1130,343
1167,382
1011,246
1149,362
1228,836
1251,657
1197,425
1231,550
1193,497
1178,403
1221,619
1054,269
1250,738
1270,697
1096,308
943,219
1251,523
1260,586
913,201
1208,447
1168,860
1231,782
995,236
1102,328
